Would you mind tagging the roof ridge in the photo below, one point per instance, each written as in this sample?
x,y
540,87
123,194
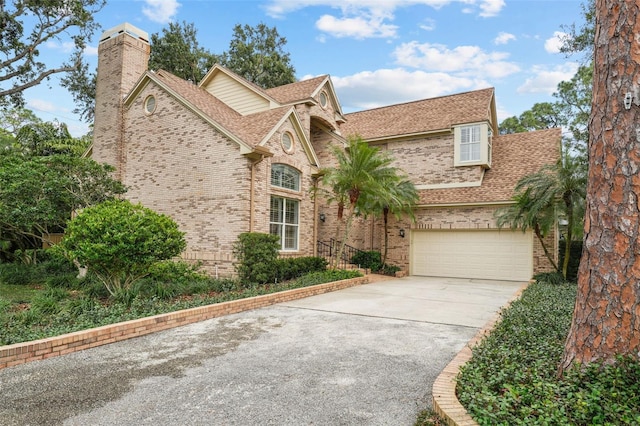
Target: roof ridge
x,y
422,100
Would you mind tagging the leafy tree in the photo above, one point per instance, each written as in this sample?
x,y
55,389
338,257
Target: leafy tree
x,y
177,51
38,195
13,119
574,106
606,318
363,172
581,39
26,26
543,115
555,191
399,198
48,138
119,242
82,86
257,54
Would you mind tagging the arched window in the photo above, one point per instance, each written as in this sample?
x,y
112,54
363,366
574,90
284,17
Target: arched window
x,y
285,176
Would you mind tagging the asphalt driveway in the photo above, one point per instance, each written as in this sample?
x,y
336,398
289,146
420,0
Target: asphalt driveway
x,y
366,355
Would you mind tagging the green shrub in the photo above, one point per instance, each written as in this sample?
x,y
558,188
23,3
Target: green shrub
x,y
367,260
387,269
256,256
119,242
175,271
294,267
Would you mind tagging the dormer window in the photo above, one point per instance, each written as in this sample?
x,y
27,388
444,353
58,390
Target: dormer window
x,y
472,145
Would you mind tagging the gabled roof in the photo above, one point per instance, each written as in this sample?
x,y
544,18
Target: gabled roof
x,y
424,116
250,131
298,91
514,156
217,68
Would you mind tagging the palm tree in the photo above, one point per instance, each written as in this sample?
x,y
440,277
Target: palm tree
x,y
361,173
555,191
399,198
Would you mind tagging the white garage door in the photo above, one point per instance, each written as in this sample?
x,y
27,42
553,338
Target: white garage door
x,y
497,255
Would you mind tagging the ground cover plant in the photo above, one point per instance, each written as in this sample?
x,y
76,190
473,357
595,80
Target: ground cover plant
x,y
46,299
513,375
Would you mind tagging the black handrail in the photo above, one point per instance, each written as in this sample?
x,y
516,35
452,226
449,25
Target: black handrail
x,y
330,251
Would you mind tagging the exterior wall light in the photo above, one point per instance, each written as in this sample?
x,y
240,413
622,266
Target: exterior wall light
x,y
322,217
402,233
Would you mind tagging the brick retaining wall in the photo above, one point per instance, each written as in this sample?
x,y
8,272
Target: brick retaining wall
x,y
21,353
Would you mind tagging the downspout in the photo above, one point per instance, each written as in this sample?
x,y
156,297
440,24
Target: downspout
x,y
256,156
315,216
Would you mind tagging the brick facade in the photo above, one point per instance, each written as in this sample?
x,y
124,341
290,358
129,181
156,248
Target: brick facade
x,y
206,165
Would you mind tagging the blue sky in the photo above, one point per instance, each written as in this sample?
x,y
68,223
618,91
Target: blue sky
x,y
378,52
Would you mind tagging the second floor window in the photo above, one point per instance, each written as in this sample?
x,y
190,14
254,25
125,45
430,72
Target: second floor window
x,y
470,143
285,176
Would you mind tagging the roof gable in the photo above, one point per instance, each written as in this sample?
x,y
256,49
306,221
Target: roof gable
x,y
237,92
424,116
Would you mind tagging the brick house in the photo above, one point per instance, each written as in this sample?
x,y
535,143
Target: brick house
x,y
223,156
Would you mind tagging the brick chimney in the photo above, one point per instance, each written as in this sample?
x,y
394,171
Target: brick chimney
x,y
123,56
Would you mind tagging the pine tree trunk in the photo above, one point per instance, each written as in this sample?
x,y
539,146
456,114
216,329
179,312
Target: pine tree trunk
x,y
606,320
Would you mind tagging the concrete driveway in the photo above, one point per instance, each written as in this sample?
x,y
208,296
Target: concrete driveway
x,y
366,355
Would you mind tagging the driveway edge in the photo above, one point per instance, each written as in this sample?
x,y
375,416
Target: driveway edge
x,y
445,402
21,353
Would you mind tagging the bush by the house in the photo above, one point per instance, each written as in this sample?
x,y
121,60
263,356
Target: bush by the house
x,y
256,255
294,267
368,260
119,242
512,377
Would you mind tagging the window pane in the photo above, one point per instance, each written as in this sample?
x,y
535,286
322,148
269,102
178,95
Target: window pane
x,y
285,211
285,177
291,216
291,237
276,209
475,151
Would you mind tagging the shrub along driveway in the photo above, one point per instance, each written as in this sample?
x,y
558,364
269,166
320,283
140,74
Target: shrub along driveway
x,y
366,355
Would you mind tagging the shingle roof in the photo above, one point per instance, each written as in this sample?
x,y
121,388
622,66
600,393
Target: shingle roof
x,y
298,91
514,156
250,128
420,116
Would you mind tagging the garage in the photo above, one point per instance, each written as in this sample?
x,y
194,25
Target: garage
x,y
490,254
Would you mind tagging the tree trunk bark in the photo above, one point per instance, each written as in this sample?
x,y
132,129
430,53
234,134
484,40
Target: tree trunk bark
x,y
606,319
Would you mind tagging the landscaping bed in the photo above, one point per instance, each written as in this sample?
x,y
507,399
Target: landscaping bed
x,y
513,375
46,300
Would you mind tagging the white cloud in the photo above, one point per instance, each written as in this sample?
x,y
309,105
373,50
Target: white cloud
x,y
357,27
44,106
546,80
504,38
428,24
491,8
463,60
161,11
553,44
91,51
371,89
66,47
370,18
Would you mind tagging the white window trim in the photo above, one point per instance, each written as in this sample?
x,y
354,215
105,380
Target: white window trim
x,y
284,224
485,146
285,167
